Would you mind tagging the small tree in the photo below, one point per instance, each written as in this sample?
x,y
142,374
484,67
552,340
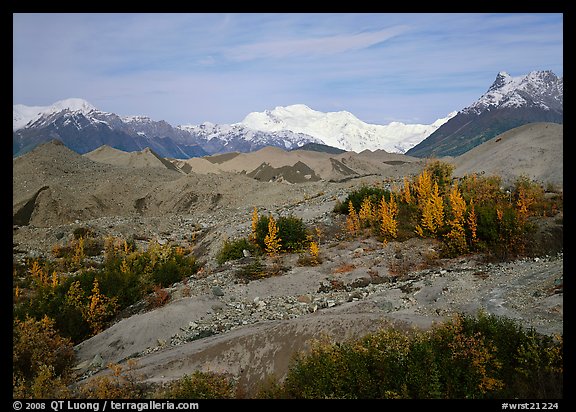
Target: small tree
x,y
79,254
95,309
352,221
423,186
39,275
406,195
314,252
100,309
456,236
431,209
472,223
272,241
366,214
388,213
255,218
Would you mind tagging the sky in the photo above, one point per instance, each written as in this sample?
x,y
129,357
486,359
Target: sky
x,y
192,68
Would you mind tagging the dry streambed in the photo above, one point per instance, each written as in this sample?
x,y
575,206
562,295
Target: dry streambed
x,y
221,323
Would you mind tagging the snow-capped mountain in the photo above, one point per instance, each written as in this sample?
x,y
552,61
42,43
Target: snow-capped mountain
x,y
83,128
541,89
508,103
22,115
240,138
341,129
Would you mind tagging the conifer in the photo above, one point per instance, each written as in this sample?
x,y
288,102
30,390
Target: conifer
x,y
255,219
366,214
472,223
456,236
388,213
406,191
352,221
272,241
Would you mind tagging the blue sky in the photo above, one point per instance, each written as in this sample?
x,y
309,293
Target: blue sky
x,y
191,68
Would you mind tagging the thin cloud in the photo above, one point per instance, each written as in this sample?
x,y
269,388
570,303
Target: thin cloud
x,y
191,68
314,46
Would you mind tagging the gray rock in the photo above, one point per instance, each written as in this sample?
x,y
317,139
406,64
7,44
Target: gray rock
x,y
97,362
217,291
385,306
360,282
355,295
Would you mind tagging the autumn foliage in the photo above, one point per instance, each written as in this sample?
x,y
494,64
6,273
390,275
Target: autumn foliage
x,y
271,240
483,357
473,213
41,359
388,212
63,301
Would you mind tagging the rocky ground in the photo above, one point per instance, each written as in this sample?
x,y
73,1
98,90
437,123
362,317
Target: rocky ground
x,y
220,323
217,320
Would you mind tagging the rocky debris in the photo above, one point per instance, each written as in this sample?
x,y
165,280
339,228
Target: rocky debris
x,y
359,283
523,290
203,230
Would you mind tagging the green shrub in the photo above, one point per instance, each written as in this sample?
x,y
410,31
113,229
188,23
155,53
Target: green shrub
x,y
41,359
504,237
50,301
467,357
372,367
174,270
234,249
252,271
125,278
291,231
441,174
200,385
357,197
127,286
511,339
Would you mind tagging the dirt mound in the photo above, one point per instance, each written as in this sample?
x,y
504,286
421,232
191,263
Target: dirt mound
x,y
298,173
53,185
534,150
278,162
255,353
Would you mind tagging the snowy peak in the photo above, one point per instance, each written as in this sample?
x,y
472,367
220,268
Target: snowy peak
x,y
238,137
502,80
542,89
443,120
341,129
287,127
510,101
298,118
23,115
73,105
82,128
281,118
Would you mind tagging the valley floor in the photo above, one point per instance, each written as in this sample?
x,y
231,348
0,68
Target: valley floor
x,y
252,330
215,321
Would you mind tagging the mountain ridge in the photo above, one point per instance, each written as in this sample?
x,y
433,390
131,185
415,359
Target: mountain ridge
x,y
508,103
33,125
342,129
